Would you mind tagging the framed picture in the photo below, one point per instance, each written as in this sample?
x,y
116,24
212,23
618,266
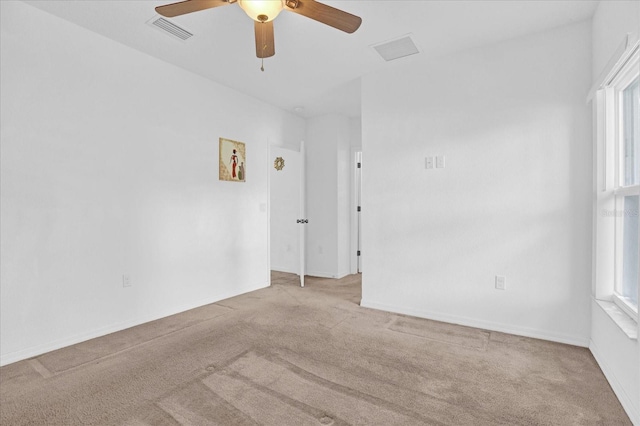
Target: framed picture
x,y
233,160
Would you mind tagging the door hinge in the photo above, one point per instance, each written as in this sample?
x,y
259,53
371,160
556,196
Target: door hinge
x,y
359,208
359,165
358,252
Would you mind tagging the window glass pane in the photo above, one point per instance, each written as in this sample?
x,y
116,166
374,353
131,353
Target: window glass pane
x,y
630,242
631,134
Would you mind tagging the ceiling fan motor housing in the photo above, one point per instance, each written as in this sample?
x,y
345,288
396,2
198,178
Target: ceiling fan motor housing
x,y
262,10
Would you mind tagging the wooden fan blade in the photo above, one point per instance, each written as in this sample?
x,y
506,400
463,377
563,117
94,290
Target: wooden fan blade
x,y
265,42
326,14
188,6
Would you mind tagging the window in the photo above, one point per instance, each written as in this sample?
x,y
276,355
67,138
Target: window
x,y
622,113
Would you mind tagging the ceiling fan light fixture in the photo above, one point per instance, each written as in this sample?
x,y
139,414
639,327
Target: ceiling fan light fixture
x,y
261,10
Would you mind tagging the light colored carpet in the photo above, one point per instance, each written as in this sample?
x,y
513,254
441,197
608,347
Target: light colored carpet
x,y
291,356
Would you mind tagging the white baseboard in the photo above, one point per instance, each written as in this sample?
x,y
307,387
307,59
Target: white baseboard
x,y
343,274
486,325
40,349
285,269
310,273
626,401
320,274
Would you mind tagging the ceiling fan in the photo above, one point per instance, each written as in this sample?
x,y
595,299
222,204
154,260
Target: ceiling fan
x,y
263,12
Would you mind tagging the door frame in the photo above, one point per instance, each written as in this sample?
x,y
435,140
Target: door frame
x,y
355,192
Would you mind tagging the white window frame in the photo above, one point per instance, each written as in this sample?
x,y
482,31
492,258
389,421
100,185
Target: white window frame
x,y
611,166
629,74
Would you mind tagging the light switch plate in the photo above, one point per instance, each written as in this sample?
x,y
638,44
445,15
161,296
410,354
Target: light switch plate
x,y
428,163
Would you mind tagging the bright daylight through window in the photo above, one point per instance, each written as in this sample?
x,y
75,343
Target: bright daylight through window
x,y
626,114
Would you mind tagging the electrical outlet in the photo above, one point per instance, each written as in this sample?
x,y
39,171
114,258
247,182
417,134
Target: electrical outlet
x,y
440,162
126,281
501,282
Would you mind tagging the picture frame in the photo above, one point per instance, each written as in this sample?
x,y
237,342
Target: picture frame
x,y
232,160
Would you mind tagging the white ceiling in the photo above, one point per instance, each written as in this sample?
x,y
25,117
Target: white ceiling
x,y
315,67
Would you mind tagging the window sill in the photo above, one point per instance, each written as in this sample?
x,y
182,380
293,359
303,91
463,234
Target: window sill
x,y
626,323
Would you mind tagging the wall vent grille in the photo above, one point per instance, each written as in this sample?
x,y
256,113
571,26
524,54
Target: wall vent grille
x,y
397,48
170,28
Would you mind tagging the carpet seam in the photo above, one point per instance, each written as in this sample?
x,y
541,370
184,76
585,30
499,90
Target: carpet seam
x,y
129,348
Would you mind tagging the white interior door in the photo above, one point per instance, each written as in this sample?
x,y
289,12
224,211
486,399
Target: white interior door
x,y
286,211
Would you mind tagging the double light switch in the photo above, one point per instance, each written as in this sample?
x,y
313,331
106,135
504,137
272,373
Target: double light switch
x,y
434,162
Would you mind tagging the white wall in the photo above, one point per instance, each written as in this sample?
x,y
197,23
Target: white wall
x,y
513,200
617,355
109,167
328,195
322,184
611,22
344,167
355,132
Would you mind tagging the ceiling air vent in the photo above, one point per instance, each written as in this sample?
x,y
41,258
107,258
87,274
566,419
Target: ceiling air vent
x,y
397,48
170,28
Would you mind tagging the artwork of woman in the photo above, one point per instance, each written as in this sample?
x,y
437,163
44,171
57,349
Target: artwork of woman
x,y
234,164
232,160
